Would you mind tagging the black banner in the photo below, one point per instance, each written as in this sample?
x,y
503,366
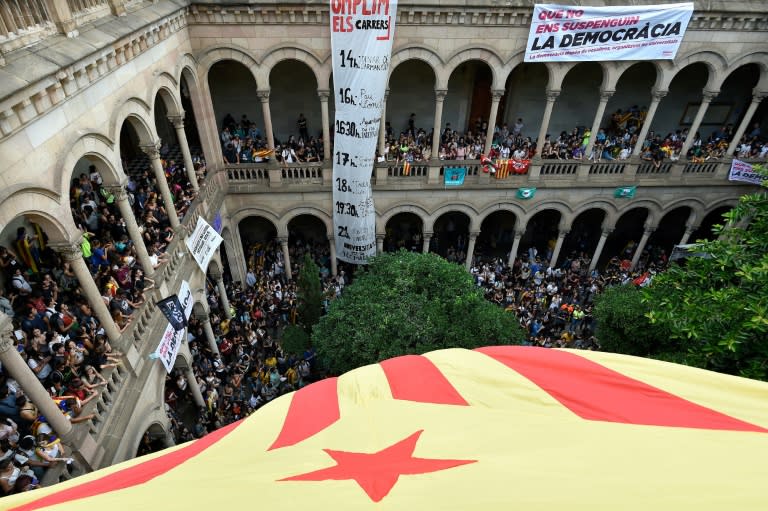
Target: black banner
x,y
173,310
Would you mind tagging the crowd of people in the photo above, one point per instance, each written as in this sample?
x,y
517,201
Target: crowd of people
x,y
55,329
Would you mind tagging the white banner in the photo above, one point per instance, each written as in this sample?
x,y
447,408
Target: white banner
x,y
171,340
203,243
584,33
361,47
742,171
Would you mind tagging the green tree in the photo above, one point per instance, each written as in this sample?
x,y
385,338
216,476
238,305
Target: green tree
x,y
716,307
310,294
622,324
294,340
409,303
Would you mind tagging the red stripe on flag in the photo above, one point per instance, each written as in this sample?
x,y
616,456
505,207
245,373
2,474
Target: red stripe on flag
x,y
132,476
415,378
594,392
313,408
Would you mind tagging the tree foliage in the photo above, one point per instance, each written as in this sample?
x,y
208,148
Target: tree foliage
x,y
310,294
294,340
622,324
716,307
409,303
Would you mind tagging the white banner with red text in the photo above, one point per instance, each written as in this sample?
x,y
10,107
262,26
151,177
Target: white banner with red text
x,y
361,46
567,33
743,171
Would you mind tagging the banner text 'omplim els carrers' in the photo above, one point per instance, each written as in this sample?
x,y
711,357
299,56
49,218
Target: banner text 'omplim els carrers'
x,y
342,11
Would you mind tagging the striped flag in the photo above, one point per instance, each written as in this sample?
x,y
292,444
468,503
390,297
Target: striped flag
x,y
502,169
526,193
502,427
406,168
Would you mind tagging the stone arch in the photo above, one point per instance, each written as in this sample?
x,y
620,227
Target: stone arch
x,y
384,218
275,55
484,54
42,207
322,215
697,207
187,63
98,147
560,206
138,113
210,56
607,207
759,58
426,55
712,59
459,207
168,88
654,208
239,215
557,72
509,207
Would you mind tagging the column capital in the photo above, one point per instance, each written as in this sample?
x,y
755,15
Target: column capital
x,y
323,94
562,233
152,150
658,95
202,318
378,237
497,94
708,95
519,233
263,95
606,231
70,251
177,121
331,238
6,333
386,93
283,240
605,95
440,94
759,95
473,235
552,95
428,234
690,229
118,191
648,230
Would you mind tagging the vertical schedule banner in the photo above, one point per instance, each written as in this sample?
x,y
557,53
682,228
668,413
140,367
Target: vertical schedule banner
x,y
361,44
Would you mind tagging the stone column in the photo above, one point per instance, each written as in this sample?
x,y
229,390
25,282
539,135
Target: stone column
x,y
152,150
706,98
515,245
263,96
209,335
121,197
605,96
379,243
470,249
181,136
689,229
641,246
323,95
599,250
757,98
332,255
194,388
558,246
496,96
656,97
72,254
61,15
286,257
437,126
117,7
27,380
222,289
551,98
427,239
383,125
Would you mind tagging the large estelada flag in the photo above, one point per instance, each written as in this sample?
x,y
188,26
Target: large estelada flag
x,y
495,428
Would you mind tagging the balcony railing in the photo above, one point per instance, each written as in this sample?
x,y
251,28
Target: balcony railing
x,y
259,178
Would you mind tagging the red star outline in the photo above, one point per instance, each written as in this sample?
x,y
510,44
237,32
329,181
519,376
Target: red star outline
x,y
377,472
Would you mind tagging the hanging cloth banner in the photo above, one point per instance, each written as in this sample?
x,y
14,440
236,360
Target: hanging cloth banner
x,y
567,33
203,242
743,171
454,176
172,338
361,47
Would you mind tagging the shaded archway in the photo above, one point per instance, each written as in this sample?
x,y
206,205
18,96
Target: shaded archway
x,y
411,91
497,233
541,235
632,96
728,108
585,233
255,229
155,439
578,100
233,94
307,230
451,234
678,108
525,97
625,236
468,102
668,233
293,92
714,217
404,231
190,120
